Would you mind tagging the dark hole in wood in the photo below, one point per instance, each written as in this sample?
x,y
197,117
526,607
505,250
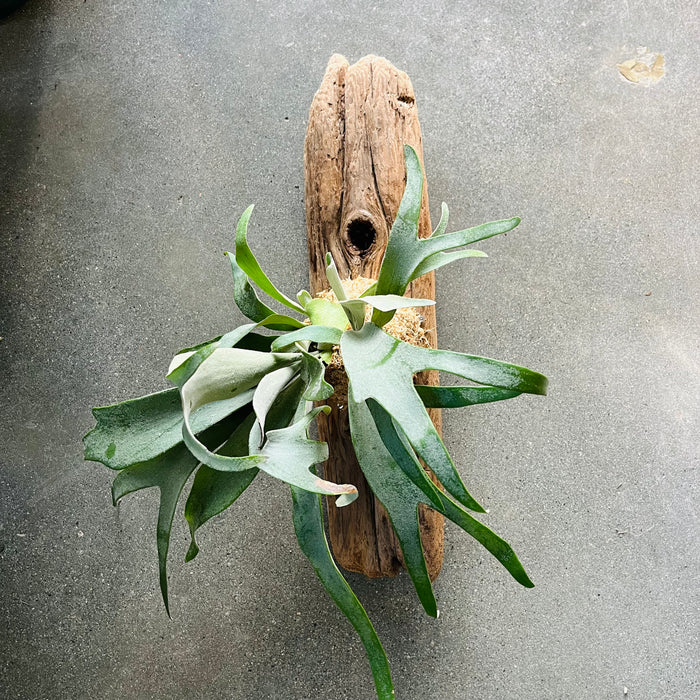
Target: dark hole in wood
x,y
406,99
361,235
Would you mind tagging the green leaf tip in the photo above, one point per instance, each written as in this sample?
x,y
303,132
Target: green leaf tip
x,y
309,529
169,471
407,256
249,264
214,491
334,278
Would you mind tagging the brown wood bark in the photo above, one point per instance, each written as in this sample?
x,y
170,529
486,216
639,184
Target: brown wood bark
x,y
359,121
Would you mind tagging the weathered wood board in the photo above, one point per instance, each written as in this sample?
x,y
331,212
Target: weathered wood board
x,y
359,121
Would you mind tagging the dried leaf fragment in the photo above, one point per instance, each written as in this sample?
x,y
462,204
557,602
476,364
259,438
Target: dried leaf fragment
x,y
638,71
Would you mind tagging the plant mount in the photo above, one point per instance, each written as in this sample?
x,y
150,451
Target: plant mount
x,y
243,402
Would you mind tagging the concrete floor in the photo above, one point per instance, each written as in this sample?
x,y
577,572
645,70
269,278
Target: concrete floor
x,y
133,134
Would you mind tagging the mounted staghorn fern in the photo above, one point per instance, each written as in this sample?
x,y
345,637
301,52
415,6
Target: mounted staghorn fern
x,y
243,403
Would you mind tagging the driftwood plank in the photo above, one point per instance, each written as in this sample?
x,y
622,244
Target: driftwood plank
x,y
359,121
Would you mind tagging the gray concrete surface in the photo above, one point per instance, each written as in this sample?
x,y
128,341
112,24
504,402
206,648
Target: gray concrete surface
x,y
133,134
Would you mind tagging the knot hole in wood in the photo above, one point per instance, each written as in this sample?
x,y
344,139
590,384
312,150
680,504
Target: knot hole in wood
x,y
361,235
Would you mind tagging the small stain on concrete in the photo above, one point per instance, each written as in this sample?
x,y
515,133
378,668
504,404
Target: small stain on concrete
x,y
645,69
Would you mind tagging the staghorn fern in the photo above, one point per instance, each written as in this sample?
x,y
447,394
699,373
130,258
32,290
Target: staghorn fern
x,y
241,404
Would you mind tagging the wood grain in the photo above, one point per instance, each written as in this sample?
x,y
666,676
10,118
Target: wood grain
x,y
359,121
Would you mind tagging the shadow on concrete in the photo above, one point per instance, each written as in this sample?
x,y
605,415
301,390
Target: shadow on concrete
x,y
23,59
22,40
